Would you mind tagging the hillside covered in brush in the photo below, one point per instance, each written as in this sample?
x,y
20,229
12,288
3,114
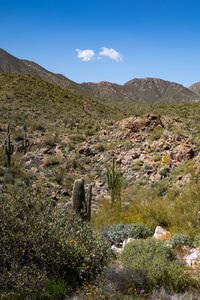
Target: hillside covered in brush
x,y
29,97
137,161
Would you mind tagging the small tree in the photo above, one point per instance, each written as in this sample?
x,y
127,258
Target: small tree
x,y
114,180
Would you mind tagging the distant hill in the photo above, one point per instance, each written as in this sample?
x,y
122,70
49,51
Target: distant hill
x,y
147,89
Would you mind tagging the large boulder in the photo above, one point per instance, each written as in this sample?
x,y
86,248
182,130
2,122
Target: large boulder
x,y
133,124
137,124
162,234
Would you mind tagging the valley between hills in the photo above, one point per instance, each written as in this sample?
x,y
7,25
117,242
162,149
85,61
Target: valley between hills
x,y
145,132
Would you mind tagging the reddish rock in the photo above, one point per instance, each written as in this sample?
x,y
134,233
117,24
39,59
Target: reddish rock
x,y
182,152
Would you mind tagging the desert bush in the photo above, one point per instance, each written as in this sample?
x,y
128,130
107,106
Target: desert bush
x,y
76,138
156,133
197,240
154,205
51,138
139,231
157,265
52,160
117,233
181,240
36,126
40,242
118,281
59,174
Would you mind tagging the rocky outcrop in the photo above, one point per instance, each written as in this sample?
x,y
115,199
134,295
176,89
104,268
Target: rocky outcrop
x,y
182,152
162,234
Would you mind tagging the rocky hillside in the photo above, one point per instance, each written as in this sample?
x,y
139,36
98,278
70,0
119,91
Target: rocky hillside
x,y
13,65
29,97
148,149
142,90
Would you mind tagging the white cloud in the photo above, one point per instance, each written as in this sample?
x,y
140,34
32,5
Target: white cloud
x,y
111,53
85,55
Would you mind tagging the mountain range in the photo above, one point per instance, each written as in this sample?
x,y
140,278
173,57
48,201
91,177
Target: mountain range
x,y
147,89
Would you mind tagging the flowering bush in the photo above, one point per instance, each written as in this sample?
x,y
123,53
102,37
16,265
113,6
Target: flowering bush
x,y
40,242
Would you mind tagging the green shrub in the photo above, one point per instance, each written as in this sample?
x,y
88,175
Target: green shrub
x,y
51,138
181,240
117,233
156,264
197,240
40,242
140,231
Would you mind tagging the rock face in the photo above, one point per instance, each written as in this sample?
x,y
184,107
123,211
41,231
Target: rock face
x,y
162,234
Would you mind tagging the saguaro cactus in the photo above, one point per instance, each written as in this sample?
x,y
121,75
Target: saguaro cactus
x,y
89,202
80,202
114,181
8,147
25,142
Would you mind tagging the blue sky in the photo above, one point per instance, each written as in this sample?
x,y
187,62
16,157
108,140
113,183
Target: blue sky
x,y
136,38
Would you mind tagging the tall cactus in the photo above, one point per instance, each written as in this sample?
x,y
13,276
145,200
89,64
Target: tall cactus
x,y
114,181
8,147
25,142
78,196
80,202
89,202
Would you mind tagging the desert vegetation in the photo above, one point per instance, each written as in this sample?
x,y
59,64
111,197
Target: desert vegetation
x,y
83,186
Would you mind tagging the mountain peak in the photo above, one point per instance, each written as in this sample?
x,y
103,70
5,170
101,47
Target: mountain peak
x,y
138,89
